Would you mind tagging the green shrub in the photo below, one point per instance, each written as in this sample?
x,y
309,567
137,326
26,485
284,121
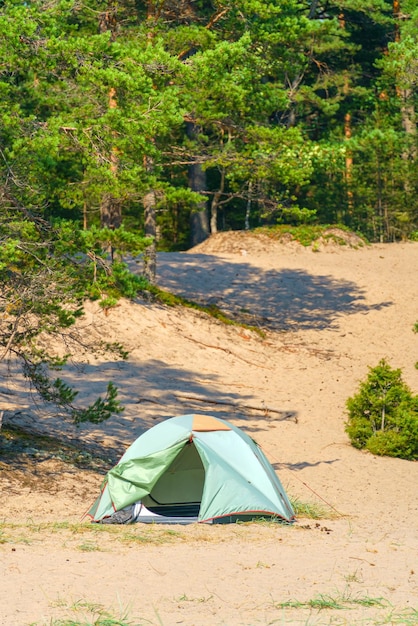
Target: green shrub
x,y
383,415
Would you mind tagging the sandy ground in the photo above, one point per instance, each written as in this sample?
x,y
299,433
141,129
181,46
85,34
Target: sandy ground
x,y
327,315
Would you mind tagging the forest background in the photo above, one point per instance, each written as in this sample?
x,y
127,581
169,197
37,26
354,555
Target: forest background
x,y
175,119
128,127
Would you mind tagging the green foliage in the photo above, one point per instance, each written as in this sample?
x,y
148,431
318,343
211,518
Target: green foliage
x,y
111,286
281,95
57,392
101,409
415,329
46,274
308,234
383,415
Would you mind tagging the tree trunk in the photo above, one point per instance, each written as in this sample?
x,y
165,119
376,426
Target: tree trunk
x,y
199,226
215,203
110,212
214,212
380,211
150,254
150,219
149,200
248,207
408,114
347,135
409,125
348,164
110,207
199,220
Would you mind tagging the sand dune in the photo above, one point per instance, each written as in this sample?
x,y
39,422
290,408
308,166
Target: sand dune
x,y
327,316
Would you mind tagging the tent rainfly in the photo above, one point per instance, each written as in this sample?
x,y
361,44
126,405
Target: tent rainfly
x,y
192,468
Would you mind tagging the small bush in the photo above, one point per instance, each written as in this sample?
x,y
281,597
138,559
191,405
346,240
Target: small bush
x,y
383,415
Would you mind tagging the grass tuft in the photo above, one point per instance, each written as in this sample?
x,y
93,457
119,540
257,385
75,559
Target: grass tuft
x,y
310,510
86,613
169,299
311,234
340,601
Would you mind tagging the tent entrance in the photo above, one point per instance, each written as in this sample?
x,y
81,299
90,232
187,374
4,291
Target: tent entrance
x,y
178,492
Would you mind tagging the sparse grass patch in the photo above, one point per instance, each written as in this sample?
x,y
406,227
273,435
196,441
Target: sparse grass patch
x,y
91,534
407,617
311,510
340,601
169,299
13,533
89,537
186,598
305,234
380,617
309,234
353,578
89,546
84,613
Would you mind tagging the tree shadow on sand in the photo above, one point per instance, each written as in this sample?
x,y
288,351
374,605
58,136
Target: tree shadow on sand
x,y
151,391
304,464
285,299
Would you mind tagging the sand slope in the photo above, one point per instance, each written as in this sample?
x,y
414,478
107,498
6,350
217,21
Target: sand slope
x,y
327,316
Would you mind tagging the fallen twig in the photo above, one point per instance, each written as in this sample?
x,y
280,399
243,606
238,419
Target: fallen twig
x,y
365,560
207,345
266,410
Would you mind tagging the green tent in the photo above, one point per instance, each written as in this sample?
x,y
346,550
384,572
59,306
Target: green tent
x,y
192,468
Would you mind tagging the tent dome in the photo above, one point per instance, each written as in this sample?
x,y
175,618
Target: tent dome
x,y
192,468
